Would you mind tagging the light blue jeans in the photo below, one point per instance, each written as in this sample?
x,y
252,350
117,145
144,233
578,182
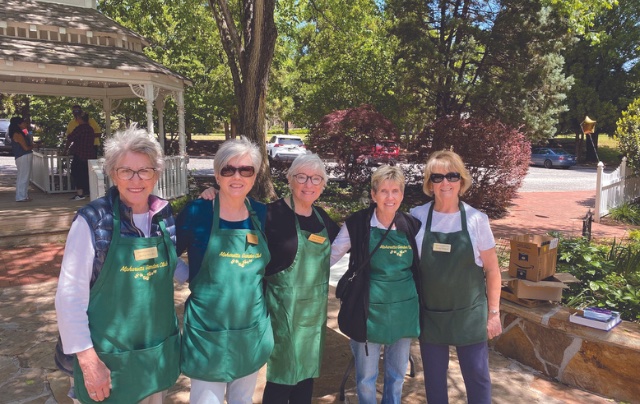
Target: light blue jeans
x,y
396,359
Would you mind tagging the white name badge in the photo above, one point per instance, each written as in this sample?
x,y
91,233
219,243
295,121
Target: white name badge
x,y
442,247
145,253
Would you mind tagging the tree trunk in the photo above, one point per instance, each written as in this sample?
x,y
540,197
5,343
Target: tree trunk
x,y
249,57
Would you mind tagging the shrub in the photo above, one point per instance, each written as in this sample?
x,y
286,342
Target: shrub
x,y
344,134
609,275
496,156
628,134
626,213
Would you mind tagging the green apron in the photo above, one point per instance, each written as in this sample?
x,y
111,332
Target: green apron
x,y
393,298
297,302
132,317
453,288
227,330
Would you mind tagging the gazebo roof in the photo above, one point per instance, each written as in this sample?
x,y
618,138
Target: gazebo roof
x,y
50,14
62,50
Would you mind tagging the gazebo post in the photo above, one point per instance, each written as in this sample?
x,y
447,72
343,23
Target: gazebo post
x,y
149,98
160,102
107,108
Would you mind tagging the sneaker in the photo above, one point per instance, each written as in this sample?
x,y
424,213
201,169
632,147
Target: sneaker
x,y
78,198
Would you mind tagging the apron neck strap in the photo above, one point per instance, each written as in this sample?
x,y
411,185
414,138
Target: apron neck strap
x,y
116,217
313,208
463,216
253,216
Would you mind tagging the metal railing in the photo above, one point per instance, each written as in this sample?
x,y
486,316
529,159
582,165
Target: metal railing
x,y
51,171
614,189
172,184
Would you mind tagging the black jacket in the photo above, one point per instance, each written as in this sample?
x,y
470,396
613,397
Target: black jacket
x,y
359,228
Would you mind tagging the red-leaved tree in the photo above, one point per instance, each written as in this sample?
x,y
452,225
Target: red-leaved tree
x,y
344,134
496,156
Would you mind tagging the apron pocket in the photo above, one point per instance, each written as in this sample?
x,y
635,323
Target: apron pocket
x,y
250,348
310,306
227,355
137,374
456,327
388,322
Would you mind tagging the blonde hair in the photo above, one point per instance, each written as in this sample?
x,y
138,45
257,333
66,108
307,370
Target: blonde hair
x,y
448,161
387,172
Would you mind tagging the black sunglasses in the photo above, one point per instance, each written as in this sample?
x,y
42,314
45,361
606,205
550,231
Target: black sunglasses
x,y
438,178
245,171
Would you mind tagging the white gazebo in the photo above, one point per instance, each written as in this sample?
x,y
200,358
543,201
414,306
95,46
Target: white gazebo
x,y
67,48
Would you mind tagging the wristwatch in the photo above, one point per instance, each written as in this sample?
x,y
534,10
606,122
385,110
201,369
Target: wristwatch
x,y
494,311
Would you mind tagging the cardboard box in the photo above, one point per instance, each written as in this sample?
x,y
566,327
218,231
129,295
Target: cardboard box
x,y
543,290
548,289
533,257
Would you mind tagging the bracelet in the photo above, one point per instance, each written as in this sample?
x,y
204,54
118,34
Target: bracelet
x,y
494,311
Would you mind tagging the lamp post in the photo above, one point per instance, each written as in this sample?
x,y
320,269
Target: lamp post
x,y
588,129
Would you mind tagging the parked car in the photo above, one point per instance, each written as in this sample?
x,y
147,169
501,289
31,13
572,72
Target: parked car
x,y
552,157
384,151
4,127
285,148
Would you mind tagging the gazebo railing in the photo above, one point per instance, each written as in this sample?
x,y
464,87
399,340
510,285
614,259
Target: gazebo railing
x,y
51,171
172,183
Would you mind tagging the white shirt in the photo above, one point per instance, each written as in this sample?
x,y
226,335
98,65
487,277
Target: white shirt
x,y
477,225
72,296
342,243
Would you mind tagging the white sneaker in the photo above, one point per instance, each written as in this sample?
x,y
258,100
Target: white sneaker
x,y
78,198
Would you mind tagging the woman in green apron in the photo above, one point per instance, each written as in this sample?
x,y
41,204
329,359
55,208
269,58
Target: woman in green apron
x,y
114,300
460,282
299,235
384,251
227,331
297,283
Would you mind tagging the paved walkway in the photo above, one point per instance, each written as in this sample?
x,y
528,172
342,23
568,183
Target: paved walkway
x,y
28,328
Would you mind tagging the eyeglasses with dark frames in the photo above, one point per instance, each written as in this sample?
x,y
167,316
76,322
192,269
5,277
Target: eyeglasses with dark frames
x,y
303,178
126,174
245,171
438,178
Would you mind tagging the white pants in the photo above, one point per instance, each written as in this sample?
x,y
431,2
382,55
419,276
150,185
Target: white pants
x,y
23,164
239,391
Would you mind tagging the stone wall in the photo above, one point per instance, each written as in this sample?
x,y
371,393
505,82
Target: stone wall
x,y
598,361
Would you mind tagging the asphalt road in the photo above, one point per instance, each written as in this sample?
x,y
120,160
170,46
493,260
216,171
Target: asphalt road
x,y
576,178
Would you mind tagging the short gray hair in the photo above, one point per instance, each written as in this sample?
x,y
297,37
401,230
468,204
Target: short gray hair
x,y
310,161
387,172
233,148
133,140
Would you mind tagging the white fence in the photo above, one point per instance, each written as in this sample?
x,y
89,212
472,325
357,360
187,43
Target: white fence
x,y
614,189
51,172
172,183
